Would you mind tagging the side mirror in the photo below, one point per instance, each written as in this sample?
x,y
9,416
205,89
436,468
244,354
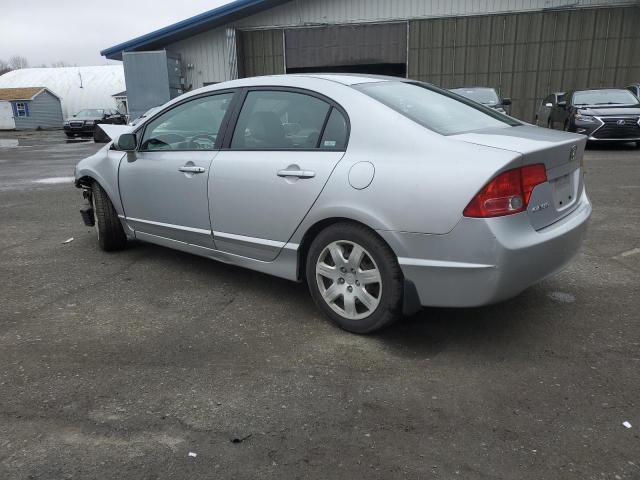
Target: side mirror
x,y
562,104
506,101
127,142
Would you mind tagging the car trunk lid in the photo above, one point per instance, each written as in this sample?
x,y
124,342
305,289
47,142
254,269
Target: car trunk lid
x,y
560,152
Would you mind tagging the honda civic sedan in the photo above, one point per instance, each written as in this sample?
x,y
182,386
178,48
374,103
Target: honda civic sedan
x,y
383,194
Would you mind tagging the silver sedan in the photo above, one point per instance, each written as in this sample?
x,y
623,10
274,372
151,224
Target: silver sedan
x,y
383,194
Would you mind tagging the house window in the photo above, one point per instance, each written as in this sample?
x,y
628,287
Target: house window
x,y
21,109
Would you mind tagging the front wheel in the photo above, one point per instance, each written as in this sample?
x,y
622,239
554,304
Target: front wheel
x,y
111,235
354,278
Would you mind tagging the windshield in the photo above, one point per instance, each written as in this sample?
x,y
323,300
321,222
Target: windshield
x,y
434,108
90,113
486,96
604,97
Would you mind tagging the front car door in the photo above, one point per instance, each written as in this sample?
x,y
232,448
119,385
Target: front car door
x,y
163,185
279,156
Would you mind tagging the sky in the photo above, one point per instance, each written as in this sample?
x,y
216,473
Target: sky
x,y
74,31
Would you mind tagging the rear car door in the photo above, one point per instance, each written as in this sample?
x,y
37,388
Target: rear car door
x,y
276,161
163,185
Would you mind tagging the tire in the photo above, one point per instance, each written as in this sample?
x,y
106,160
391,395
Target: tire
x,y
638,145
376,277
69,135
111,236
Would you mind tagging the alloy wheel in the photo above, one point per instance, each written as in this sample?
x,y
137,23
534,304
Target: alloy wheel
x,y
349,279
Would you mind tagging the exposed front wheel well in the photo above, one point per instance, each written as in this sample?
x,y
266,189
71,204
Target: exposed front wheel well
x,y
85,181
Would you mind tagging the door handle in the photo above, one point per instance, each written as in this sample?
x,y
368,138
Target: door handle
x,y
190,169
296,173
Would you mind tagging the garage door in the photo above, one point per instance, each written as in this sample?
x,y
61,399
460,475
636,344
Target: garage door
x,y
261,53
6,116
355,48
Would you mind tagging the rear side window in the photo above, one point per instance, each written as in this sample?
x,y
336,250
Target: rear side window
x,y
435,109
335,133
277,120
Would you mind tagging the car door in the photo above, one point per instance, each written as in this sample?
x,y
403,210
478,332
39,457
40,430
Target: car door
x,y
163,185
546,107
279,156
556,115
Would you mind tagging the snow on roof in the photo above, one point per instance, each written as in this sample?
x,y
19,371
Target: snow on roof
x,y
77,87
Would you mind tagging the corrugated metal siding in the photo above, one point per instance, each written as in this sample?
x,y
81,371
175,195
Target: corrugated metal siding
x,y
206,54
44,112
261,53
301,12
528,55
204,58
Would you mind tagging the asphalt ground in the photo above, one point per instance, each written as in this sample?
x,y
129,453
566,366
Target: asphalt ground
x,y
118,366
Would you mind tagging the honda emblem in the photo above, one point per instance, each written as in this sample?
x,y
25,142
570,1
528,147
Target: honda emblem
x,y
572,155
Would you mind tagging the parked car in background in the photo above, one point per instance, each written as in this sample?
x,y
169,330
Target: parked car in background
x,y
488,97
634,88
544,117
603,115
84,122
301,177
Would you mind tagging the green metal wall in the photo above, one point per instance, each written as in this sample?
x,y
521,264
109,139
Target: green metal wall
x,y
529,55
261,52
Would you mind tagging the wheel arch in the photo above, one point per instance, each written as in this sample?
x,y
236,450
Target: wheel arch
x,y
312,232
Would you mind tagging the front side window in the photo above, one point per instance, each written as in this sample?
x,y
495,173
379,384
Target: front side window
x,y
21,109
278,120
193,125
604,97
434,108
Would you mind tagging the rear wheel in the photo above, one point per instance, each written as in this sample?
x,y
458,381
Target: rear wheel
x,y
354,278
111,236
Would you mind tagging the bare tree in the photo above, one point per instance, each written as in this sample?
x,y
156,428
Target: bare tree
x,y
60,63
4,67
16,62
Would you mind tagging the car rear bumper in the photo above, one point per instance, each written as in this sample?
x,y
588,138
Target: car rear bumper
x,y
483,261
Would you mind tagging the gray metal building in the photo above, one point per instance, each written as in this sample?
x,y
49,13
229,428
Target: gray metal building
x,y
525,48
29,108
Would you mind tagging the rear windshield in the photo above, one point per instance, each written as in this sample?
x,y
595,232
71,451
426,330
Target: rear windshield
x,y
604,97
435,109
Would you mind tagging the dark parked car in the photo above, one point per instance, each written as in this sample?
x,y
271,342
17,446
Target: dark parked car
x,y
548,108
604,114
635,89
488,97
84,122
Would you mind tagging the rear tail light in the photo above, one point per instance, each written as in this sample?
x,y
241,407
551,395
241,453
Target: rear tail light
x,y
508,193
